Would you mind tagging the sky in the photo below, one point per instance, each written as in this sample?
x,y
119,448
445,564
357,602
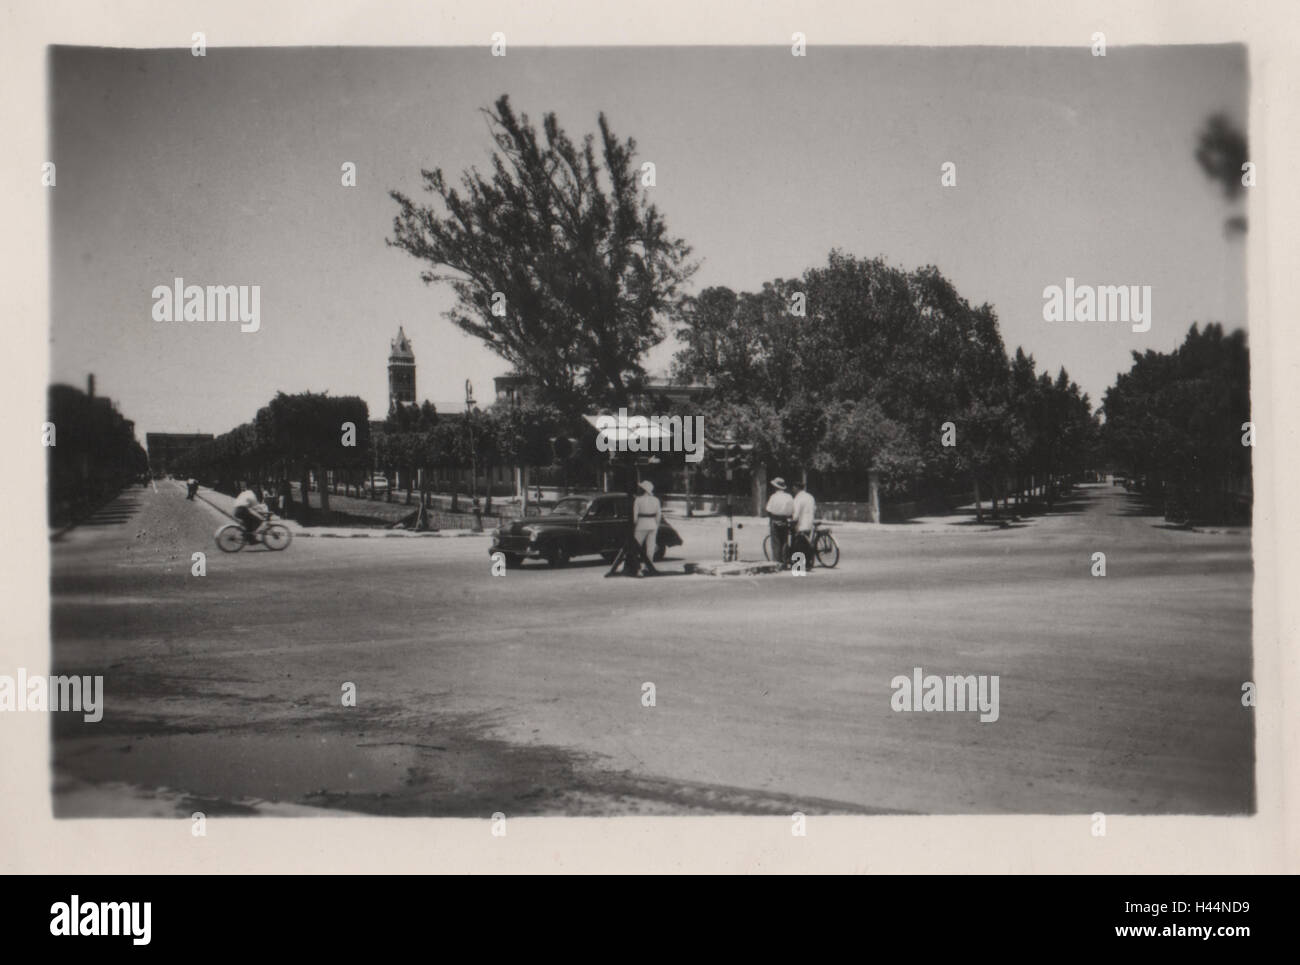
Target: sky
x,y
226,170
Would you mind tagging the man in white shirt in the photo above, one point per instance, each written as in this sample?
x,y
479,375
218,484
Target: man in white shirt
x,y
246,511
804,523
780,507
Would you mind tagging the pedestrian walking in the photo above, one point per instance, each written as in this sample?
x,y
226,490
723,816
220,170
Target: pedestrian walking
x,y
804,522
647,514
780,509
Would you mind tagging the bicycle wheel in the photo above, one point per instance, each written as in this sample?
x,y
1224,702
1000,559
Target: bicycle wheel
x,y
276,537
767,546
828,551
230,538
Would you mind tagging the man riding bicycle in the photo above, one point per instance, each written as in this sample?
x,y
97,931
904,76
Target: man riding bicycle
x,y
249,512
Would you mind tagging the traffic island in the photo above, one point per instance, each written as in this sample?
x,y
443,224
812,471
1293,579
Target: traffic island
x,y
733,568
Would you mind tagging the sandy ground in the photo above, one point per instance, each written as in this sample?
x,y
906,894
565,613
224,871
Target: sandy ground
x,y
523,693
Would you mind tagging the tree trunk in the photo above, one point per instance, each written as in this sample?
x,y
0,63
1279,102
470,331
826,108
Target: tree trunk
x,y
322,487
979,512
305,484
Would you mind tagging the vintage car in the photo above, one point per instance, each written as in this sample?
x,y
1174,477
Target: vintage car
x,y
577,526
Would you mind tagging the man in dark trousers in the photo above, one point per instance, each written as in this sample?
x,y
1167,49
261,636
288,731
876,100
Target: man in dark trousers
x,y
780,509
633,557
803,523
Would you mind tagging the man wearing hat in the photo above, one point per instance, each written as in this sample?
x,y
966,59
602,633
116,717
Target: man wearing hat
x,y
780,507
647,513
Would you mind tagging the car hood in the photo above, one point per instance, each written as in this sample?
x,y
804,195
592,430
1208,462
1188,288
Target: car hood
x,y
519,526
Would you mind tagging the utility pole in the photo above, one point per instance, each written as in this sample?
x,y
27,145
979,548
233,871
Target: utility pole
x,y
473,456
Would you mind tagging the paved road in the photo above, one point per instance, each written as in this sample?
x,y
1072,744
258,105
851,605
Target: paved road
x,y
523,693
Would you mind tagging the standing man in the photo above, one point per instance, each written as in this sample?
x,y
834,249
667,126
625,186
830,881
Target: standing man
x,y
780,508
804,521
647,513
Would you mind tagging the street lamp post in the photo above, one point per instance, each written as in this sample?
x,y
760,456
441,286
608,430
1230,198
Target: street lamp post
x,y
473,456
729,549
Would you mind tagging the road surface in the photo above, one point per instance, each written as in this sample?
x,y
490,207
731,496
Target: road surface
x,y
524,693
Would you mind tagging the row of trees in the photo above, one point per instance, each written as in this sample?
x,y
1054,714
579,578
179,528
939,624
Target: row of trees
x,y
423,441
294,436
1176,423
859,366
92,453
290,437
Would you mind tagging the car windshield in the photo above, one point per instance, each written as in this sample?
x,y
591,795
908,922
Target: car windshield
x,y
570,507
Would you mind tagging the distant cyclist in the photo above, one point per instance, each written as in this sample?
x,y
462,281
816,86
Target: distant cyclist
x,y
248,511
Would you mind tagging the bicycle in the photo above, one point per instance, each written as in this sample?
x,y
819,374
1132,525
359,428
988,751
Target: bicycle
x,y
824,545
232,537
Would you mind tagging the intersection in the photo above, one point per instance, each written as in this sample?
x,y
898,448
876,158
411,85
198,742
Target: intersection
x,y
524,693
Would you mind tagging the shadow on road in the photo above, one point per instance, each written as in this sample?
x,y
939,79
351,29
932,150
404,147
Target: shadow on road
x,y
115,513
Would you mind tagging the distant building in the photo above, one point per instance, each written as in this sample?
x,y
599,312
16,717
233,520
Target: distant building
x,y
659,390
513,388
165,448
654,394
401,371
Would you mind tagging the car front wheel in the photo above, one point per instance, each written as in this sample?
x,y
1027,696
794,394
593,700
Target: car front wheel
x,y
557,555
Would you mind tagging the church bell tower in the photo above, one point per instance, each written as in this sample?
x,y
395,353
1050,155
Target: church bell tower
x,y
401,371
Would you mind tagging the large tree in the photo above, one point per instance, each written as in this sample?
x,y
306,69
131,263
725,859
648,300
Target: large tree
x,y
558,260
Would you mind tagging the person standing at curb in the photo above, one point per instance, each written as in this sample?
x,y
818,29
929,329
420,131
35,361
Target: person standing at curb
x,y
647,513
804,523
780,508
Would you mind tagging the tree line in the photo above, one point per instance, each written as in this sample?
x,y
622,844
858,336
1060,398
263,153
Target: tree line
x,y
562,265
91,454
860,367
297,436
1178,424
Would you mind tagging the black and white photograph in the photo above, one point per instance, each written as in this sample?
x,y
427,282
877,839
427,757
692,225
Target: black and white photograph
x,y
659,431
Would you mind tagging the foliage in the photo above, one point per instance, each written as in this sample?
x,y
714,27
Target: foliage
x,y
584,261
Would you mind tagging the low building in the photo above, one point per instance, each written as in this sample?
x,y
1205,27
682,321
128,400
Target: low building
x,y
166,448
